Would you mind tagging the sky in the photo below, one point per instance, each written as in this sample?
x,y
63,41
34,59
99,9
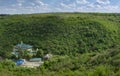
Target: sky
x,y
46,6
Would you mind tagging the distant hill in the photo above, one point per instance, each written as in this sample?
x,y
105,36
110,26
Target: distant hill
x,y
61,33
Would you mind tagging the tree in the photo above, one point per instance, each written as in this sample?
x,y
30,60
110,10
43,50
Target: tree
x,y
40,53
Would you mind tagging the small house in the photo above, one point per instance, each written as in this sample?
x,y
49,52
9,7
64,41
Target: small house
x,y
23,49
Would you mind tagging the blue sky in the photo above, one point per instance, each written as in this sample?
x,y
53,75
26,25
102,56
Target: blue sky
x,y
44,6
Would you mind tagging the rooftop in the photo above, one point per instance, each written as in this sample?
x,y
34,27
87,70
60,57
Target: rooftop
x,y
24,46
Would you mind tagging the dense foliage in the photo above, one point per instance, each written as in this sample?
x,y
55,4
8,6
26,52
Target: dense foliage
x,y
83,44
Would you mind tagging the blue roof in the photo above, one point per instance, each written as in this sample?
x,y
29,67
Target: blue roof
x,y
24,46
19,62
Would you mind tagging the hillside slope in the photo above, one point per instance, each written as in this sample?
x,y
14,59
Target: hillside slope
x,y
82,44
61,33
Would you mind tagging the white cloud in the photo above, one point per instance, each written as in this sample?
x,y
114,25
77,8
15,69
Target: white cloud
x,y
39,2
73,5
82,1
103,1
20,1
20,4
66,7
94,5
112,8
33,4
39,6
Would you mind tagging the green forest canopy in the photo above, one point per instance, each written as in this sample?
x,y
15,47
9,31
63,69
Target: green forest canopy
x,y
84,44
60,33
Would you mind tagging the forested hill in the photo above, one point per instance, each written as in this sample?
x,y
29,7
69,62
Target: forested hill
x,y
82,44
61,34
